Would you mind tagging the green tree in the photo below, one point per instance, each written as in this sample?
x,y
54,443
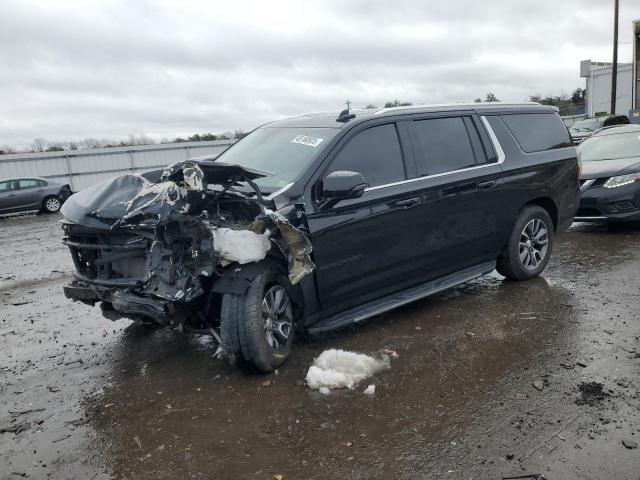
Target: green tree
x,y
491,97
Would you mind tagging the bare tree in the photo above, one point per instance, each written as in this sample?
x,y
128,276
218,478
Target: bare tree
x,y
39,145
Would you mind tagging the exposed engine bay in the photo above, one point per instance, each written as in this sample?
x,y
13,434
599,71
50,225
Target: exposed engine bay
x,y
157,246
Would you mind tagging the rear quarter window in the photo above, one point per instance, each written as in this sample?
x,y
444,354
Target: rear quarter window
x,y
538,132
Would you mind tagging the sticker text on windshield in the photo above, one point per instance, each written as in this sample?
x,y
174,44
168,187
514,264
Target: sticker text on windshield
x,y
307,140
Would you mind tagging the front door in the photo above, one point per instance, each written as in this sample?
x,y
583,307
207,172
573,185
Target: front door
x,y
8,195
363,247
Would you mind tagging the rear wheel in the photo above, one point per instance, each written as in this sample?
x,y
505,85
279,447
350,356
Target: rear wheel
x,y
52,204
258,327
530,245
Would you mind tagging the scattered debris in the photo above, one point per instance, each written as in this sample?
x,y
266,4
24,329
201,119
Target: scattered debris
x,y
15,427
391,353
325,390
16,413
591,393
138,442
370,390
341,369
538,385
348,443
630,444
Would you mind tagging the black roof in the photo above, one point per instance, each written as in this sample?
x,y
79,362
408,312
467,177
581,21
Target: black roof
x,y
328,119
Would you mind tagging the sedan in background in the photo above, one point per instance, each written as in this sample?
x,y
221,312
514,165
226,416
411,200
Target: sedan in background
x,y
32,193
610,178
585,128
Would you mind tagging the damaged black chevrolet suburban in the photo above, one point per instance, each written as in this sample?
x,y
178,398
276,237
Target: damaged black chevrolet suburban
x,y
318,222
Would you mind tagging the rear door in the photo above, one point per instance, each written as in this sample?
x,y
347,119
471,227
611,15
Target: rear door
x,y
30,193
459,219
365,247
8,197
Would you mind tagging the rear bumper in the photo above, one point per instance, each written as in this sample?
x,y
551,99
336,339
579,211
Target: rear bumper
x,y
599,204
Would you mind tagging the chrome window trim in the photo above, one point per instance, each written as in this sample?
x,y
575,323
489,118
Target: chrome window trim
x,y
494,139
496,146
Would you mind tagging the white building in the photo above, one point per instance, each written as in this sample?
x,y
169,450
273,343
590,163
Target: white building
x,y
598,76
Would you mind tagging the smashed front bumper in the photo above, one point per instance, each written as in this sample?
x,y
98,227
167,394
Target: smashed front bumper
x,y
155,249
117,303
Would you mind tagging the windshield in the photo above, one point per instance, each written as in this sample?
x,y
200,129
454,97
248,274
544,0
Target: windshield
x,y
585,126
285,152
610,147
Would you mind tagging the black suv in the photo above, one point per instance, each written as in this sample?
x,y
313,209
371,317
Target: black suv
x,y
322,221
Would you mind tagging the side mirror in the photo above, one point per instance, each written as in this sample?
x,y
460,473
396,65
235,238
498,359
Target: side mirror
x,y
342,185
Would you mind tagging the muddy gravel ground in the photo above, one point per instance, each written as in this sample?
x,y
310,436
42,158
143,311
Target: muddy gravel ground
x,y
494,380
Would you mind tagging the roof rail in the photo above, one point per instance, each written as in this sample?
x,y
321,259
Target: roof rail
x,y
461,104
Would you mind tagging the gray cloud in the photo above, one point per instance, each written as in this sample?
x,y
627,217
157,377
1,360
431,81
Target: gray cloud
x,y
73,69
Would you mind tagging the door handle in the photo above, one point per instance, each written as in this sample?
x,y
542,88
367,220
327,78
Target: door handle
x,y
459,189
11,195
408,203
486,185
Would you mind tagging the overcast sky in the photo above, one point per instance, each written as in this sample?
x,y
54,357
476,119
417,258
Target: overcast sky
x,y
76,69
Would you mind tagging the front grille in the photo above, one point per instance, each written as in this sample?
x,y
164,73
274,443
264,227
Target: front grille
x,y
100,255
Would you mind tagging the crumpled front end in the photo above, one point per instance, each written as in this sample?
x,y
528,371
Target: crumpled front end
x,y
152,246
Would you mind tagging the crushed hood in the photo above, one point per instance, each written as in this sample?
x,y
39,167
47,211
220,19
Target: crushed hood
x,y
154,197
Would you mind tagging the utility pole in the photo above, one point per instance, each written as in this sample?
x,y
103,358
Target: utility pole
x,y
614,68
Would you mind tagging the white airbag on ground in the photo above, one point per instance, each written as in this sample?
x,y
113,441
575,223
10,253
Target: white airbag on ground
x,y
341,369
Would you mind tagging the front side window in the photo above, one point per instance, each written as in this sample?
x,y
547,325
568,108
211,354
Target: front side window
x,y
24,184
610,147
375,153
443,145
538,132
7,186
283,151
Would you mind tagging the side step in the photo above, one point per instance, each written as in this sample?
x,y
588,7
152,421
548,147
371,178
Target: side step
x,y
395,300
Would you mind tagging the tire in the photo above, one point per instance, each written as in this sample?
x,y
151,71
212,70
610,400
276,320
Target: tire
x,y
262,341
529,248
52,204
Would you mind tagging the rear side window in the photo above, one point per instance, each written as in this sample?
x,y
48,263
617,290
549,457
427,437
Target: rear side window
x,y
375,153
538,132
443,145
24,184
42,183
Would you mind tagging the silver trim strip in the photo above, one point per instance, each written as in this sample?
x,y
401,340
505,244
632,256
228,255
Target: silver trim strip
x,y
494,139
588,219
496,146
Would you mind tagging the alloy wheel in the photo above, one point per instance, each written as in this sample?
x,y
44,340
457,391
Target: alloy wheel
x,y
52,204
277,316
534,243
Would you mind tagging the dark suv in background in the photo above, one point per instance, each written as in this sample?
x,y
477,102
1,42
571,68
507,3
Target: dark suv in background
x,y
331,220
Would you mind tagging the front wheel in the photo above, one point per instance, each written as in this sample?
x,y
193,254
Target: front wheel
x,y
52,204
258,326
530,245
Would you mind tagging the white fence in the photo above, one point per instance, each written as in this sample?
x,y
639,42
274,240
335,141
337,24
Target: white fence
x,y
83,168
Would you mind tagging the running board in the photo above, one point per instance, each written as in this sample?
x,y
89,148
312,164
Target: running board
x,y
395,300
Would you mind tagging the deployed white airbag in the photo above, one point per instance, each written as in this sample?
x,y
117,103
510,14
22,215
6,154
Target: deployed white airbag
x,y
242,246
341,369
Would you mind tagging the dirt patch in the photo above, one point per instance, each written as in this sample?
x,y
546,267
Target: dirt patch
x,y
592,394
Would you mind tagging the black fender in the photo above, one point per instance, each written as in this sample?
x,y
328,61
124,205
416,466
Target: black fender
x,y
236,279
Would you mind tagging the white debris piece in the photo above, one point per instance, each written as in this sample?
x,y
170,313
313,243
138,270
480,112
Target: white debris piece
x,y
341,369
242,246
370,390
325,390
